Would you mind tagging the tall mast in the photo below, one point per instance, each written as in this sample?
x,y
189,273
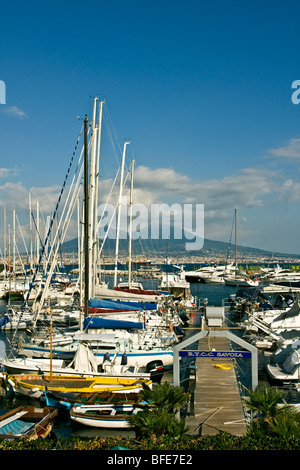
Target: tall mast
x,y
119,214
235,241
92,195
30,235
37,233
95,218
8,263
14,245
130,226
86,219
4,240
79,253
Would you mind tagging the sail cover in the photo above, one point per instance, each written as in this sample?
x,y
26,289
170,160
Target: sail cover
x,y
98,322
100,303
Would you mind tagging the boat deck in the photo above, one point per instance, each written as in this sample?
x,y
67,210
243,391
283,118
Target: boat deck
x,y
57,382
216,404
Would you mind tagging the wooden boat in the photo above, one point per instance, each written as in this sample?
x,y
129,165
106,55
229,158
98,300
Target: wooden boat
x,y
113,416
27,422
66,400
33,385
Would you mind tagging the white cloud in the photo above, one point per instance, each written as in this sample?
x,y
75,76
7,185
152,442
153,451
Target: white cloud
x,y
13,111
16,196
7,172
290,151
247,188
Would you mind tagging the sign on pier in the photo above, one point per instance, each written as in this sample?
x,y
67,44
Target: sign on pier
x,y
218,354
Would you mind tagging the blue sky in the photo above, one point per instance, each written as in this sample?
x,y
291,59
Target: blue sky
x,y
202,90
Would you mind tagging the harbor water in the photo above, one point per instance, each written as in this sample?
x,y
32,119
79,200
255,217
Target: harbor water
x,y
216,295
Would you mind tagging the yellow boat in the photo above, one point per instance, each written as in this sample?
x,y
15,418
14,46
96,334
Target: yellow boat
x,y
34,385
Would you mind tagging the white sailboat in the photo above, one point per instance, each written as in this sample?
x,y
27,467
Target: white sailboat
x,y
140,348
237,278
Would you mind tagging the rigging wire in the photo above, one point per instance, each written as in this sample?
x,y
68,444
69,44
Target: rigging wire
x,y
50,228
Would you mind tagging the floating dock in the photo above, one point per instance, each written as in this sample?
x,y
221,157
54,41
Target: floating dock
x,y
216,404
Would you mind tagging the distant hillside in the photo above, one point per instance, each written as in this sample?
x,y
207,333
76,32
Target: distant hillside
x,y
177,247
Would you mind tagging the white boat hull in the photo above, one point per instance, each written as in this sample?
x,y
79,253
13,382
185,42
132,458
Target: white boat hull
x,y
91,415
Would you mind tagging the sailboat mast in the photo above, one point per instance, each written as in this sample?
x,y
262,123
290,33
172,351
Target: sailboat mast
x,y
92,183
119,213
235,241
86,219
14,247
30,235
95,219
37,232
130,226
4,241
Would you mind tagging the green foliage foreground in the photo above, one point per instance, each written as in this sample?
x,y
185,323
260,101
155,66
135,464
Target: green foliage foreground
x,y
222,441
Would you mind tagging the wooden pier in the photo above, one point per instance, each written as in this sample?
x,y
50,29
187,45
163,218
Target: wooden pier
x,y
216,403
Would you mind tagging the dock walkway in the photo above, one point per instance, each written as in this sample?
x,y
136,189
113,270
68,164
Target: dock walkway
x,y
216,402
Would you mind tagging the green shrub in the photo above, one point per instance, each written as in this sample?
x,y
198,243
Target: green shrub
x,y
221,441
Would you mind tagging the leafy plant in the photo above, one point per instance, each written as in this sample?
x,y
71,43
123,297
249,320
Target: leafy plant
x,y
158,418
264,400
273,417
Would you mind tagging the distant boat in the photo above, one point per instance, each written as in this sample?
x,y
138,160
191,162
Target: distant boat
x,y
241,282
27,422
210,274
282,276
13,320
177,285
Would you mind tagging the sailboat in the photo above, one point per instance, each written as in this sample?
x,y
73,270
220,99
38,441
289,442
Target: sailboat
x,y
84,364
144,351
237,279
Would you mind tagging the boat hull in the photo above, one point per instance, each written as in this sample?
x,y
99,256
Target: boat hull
x,y
104,416
138,357
68,400
35,385
27,422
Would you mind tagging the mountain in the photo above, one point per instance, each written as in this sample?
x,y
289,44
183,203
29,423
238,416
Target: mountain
x,y
172,247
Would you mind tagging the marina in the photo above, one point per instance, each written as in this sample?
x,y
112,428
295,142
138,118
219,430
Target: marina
x,y
76,338
149,227
215,381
